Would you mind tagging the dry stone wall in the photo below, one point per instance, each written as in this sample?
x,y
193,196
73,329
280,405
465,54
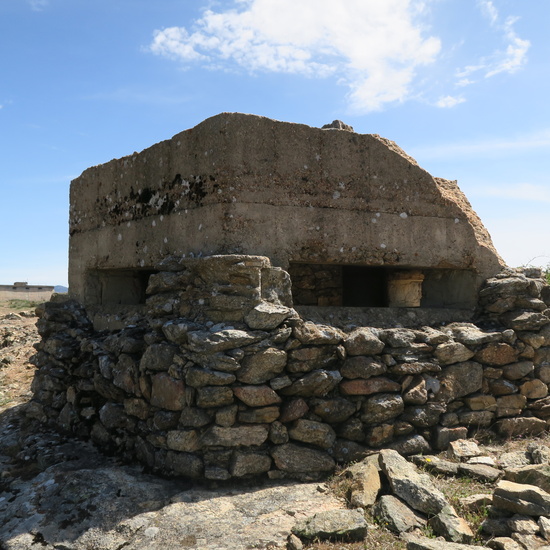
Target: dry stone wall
x,y
218,377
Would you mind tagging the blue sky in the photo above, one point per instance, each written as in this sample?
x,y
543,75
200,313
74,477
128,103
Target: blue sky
x,y
462,85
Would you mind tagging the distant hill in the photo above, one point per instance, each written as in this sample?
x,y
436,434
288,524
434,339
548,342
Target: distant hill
x,y
60,289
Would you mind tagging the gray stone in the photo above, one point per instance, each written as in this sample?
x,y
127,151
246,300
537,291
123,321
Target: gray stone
x,y
540,454
477,502
502,387
176,330
256,396
227,416
435,464
482,472
463,448
210,342
479,419
306,359
344,451
415,488
414,367
362,367
410,445
470,335
524,321
294,458
416,393
509,427
380,435
157,357
449,525
113,417
316,383
312,432
444,436
544,526
214,396
424,416
362,341
523,524
382,407
259,416
531,542
167,392
333,524
366,483
397,337
262,366
334,410
245,464
532,474
452,352
393,514
180,440
267,316
235,436
521,499
184,464
421,543
197,377
514,459
459,380
313,334
516,371
505,543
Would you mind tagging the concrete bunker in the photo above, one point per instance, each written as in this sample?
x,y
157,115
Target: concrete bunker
x,y
259,298
354,209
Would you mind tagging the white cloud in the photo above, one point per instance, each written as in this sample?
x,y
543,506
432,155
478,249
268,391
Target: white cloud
x,y
449,101
38,5
489,10
509,60
372,47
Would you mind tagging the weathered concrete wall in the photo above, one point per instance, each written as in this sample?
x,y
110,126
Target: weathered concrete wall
x,y
221,379
22,291
243,184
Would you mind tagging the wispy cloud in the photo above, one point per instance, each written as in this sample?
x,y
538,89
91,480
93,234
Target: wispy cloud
x,y
38,5
449,101
507,60
372,47
379,50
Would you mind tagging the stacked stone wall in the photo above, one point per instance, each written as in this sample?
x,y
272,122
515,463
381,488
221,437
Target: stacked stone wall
x,y
218,377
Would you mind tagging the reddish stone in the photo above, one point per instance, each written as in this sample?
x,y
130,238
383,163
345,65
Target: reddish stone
x,y
366,387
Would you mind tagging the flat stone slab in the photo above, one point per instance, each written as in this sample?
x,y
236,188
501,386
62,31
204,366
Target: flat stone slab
x,y
333,524
521,499
418,490
87,500
432,544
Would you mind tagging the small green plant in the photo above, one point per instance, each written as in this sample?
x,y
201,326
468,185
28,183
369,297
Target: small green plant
x,y
22,304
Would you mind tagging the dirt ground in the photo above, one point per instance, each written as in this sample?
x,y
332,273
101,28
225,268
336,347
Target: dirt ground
x,y
17,335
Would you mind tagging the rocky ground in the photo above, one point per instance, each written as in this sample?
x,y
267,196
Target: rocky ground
x,y
59,493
